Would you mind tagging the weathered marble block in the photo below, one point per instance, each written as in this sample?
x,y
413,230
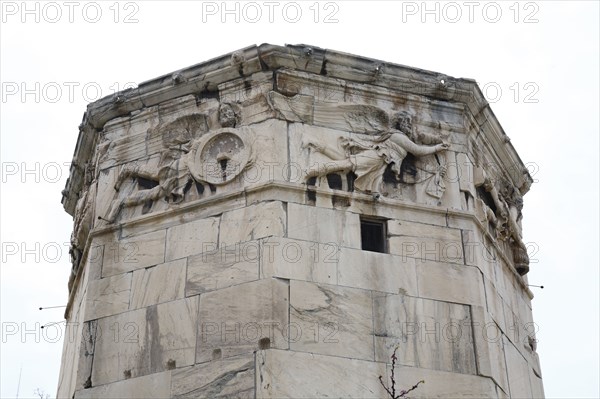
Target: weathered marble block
x,y
377,271
251,223
518,373
133,253
306,375
489,348
308,223
158,284
299,260
222,267
243,318
145,341
192,238
331,320
450,282
108,296
230,377
430,334
149,386
441,384
425,242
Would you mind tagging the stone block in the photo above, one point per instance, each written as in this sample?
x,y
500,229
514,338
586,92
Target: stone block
x,y
94,261
495,304
450,282
425,242
191,238
331,320
251,223
108,296
150,386
299,260
326,226
145,341
489,347
441,384
377,271
120,348
222,267
479,252
243,318
86,354
291,374
231,377
158,284
537,387
431,334
518,372
133,253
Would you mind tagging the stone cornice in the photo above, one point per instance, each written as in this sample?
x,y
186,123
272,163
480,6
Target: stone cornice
x,y
202,80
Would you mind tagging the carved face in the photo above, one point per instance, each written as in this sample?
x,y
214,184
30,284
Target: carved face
x,y
405,125
403,122
227,116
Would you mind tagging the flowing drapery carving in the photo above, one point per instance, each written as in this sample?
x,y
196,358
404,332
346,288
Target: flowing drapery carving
x,y
368,157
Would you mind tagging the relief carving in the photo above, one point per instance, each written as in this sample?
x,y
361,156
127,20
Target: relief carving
x,y
82,221
369,157
357,118
505,217
220,159
229,115
190,156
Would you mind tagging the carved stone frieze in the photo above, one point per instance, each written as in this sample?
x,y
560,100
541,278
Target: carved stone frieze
x,y
500,205
369,157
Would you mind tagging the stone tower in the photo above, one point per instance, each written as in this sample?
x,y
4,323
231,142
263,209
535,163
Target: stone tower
x,y
277,221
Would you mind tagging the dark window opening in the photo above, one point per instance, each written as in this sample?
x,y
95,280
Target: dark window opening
x,y
351,177
334,181
146,184
311,197
373,235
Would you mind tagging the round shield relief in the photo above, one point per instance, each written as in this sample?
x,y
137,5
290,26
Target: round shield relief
x,y
220,158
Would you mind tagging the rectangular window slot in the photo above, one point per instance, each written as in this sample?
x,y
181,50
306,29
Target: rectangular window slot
x,y
373,235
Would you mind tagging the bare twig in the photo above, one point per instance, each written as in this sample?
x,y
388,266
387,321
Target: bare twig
x,y
392,390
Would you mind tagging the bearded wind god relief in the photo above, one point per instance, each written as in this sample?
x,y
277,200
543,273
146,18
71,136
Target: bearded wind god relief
x,y
368,157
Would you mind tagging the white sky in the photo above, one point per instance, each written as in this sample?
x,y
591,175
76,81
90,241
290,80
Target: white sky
x,y
554,60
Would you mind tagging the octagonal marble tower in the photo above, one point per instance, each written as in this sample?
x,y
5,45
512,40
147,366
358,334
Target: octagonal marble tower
x,y
276,221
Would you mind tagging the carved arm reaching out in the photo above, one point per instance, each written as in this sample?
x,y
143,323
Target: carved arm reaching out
x,y
417,149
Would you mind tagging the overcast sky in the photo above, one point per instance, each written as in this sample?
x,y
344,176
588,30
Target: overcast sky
x,y
538,63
